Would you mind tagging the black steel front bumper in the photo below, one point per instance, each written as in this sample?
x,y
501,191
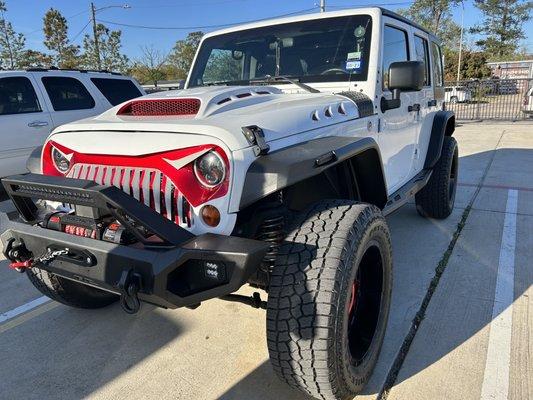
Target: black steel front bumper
x,y
178,270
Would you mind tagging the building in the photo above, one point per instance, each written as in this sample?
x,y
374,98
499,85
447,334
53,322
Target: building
x,y
512,69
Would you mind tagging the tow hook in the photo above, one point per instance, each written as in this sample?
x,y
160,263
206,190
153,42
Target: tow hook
x,y
129,285
20,257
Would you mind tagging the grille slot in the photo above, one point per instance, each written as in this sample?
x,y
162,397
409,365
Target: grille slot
x,y
149,186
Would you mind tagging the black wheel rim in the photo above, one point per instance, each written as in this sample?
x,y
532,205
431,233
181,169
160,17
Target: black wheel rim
x,y
364,306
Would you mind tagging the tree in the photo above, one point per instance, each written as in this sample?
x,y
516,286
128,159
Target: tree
x,y
150,67
184,51
109,43
473,65
35,59
502,26
436,16
56,40
11,43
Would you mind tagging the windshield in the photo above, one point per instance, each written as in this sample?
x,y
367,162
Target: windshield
x,y
321,50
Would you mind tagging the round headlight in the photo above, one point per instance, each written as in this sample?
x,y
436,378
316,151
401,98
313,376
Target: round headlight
x,y
210,169
60,161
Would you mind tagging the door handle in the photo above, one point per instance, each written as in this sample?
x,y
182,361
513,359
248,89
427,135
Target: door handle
x,y
414,107
37,124
432,103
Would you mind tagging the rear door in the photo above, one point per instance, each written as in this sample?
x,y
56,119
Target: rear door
x,y
424,100
25,122
69,98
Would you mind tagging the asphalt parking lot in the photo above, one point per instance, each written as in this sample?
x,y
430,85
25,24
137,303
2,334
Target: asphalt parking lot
x,y
470,338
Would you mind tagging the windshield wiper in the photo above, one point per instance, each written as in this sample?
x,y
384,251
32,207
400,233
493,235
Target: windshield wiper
x,y
284,79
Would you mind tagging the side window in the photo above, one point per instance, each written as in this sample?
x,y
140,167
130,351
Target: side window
x,y
67,93
395,48
438,72
17,96
116,91
422,54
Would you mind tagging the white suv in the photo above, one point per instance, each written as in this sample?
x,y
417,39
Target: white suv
x,y
34,102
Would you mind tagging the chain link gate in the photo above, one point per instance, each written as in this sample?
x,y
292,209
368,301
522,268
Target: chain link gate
x,y
491,99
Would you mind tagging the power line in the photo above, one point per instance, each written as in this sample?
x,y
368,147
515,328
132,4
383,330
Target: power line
x,y
200,27
80,32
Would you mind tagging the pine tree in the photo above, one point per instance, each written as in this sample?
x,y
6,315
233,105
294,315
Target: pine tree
x,y
502,26
55,29
11,43
109,43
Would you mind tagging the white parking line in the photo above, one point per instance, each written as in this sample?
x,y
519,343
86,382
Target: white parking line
x,y
496,379
22,309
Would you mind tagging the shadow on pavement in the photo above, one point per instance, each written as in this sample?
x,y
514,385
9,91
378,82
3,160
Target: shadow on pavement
x,y
104,343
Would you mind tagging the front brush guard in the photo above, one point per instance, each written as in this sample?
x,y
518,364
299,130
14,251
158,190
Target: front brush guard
x,y
172,272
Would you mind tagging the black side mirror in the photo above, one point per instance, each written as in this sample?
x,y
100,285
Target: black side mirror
x,y
406,76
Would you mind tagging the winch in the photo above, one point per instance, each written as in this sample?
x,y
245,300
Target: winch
x,y
106,229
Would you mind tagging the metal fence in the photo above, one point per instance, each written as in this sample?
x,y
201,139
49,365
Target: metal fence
x,y
494,99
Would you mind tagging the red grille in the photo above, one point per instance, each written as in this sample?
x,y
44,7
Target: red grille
x,y
157,107
150,187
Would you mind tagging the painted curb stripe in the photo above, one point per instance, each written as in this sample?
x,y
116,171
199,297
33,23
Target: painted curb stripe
x,y
23,308
496,379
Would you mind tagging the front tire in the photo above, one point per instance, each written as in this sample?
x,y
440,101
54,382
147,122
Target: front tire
x,y
329,299
68,292
437,198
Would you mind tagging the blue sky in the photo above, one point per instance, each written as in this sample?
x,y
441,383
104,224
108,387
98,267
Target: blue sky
x,y
26,16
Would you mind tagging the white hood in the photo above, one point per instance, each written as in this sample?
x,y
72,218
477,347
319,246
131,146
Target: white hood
x,y
224,110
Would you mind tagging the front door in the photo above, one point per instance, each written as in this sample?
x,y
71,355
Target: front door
x,y
25,122
398,127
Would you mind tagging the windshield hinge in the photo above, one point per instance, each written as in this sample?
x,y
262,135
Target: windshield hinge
x,y
256,137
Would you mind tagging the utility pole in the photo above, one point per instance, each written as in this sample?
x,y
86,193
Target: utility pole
x,y
460,43
322,5
95,32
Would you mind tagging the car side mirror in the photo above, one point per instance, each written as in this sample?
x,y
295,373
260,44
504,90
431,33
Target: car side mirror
x,y
404,76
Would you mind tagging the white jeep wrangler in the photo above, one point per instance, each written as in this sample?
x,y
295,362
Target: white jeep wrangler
x,y
275,166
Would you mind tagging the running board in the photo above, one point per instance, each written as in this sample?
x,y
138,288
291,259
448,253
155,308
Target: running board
x,y
407,191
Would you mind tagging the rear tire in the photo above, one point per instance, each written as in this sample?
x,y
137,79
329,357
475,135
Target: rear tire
x,y
69,292
329,299
437,198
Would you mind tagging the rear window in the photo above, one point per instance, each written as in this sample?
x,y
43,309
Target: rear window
x,y
17,96
117,91
67,94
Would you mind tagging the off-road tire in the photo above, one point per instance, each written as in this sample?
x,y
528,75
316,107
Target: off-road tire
x,y
310,296
437,198
69,292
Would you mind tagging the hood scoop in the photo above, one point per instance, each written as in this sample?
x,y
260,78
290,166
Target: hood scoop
x,y
184,107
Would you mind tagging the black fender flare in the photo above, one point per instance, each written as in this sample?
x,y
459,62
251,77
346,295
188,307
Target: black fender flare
x,y
443,125
285,167
33,163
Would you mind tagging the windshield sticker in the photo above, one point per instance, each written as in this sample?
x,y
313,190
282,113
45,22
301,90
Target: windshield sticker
x,y
356,55
353,65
